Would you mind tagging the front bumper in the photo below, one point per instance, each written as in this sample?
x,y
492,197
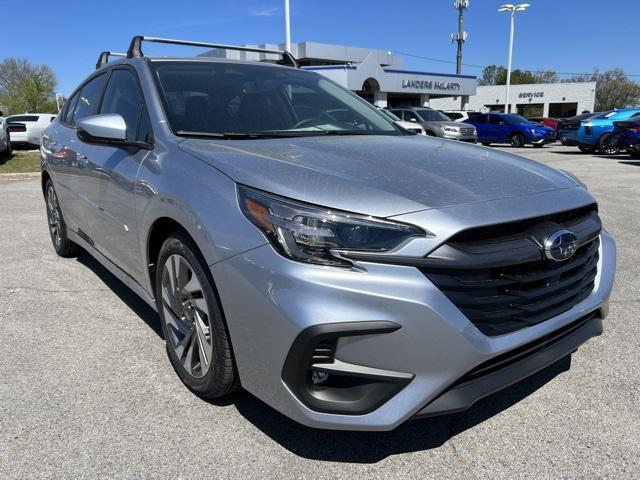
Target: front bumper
x,y
434,347
461,137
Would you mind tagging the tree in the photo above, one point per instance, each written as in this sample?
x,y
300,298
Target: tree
x,y
497,75
613,90
26,88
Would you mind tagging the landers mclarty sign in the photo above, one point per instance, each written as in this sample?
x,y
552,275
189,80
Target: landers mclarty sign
x,y
431,85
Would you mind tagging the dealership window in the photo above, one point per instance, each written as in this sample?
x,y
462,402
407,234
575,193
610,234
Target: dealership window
x,y
530,109
563,110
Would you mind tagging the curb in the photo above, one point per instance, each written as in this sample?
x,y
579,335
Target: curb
x,y
19,176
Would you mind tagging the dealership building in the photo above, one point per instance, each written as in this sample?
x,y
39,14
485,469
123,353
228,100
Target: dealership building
x,y
376,75
381,77
530,100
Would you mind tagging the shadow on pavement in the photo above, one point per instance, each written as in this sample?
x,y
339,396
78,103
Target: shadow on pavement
x,y
371,447
135,303
345,446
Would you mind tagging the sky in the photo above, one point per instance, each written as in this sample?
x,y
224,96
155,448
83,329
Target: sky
x,y
571,36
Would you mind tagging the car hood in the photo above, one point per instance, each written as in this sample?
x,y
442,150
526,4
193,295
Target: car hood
x,y
377,175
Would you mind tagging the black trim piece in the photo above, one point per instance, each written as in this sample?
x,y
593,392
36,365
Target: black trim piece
x,y
135,48
511,367
347,392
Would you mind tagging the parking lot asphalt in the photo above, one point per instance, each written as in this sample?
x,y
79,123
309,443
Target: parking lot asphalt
x,y
86,390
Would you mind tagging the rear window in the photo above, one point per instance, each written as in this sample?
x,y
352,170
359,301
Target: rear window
x,y
23,118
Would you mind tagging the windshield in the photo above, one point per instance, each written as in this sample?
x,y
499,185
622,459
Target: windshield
x,y
235,99
513,119
432,116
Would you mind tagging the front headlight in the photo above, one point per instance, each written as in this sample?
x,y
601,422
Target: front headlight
x,y
310,234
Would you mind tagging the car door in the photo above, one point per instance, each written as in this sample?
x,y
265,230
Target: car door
x,y
67,157
480,122
116,234
496,131
86,171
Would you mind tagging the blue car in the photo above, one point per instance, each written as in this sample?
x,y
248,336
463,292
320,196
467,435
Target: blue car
x,y
593,134
625,136
510,128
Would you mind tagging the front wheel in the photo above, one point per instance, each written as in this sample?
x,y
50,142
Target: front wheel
x,y
486,144
605,147
517,140
195,332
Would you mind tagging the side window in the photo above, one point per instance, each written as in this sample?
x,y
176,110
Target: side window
x,y
397,113
88,98
495,120
409,116
122,96
70,108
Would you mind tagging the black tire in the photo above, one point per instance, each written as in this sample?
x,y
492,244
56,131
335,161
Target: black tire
x,y
604,147
57,226
486,144
517,140
585,149
7,151
430,133
220,377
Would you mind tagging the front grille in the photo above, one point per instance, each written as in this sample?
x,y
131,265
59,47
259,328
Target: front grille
x,y
504,283
466,131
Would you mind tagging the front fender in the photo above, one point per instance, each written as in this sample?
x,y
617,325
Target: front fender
x,y
198,197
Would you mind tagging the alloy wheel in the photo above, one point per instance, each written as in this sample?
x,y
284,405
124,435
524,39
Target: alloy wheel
x,y
53,215
186,315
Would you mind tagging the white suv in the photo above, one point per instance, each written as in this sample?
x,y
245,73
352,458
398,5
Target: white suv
x,y
460,115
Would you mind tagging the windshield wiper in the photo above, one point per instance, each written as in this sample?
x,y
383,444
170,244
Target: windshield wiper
x,y
224,135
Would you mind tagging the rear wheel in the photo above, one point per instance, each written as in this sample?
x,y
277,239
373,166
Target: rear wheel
x,y
57,227
605,147
194,329
517,140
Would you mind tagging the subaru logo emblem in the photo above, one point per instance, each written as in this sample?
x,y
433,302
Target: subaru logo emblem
x,y
560,245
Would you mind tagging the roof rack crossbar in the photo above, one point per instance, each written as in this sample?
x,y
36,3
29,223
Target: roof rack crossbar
x,y
103,58
135,48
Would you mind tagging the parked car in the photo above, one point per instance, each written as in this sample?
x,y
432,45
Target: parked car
x,y
547,121
436,124
510,128
352,276
567,130
5,141
26,130
460,115
410,126
625,136
594,132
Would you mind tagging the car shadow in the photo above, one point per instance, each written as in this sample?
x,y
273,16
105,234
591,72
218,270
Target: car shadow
x,y
147,314
345,446
372,447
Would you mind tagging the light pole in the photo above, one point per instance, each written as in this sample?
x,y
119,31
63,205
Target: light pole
x,y
460,38
287,26
512,9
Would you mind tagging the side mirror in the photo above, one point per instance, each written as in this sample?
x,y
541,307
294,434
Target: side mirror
x,y
413,120
105,128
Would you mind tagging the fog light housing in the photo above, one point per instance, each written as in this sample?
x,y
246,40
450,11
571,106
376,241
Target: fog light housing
x,y
325,384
